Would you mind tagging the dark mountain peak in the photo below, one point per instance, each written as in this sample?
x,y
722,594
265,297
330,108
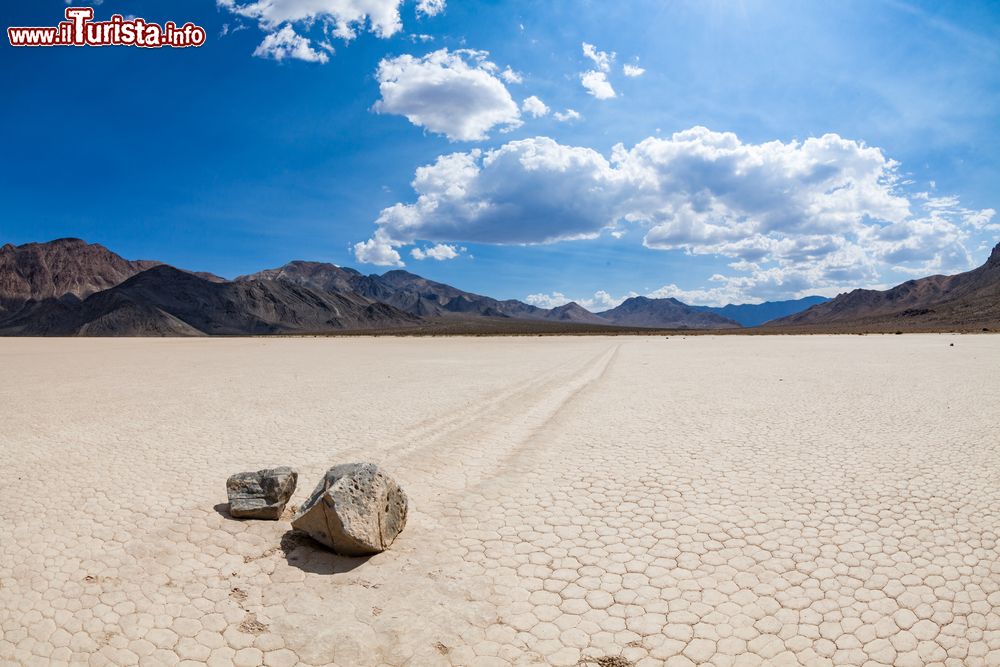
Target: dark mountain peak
x,y
399,275
634,301
318,266
642,311
994,260
163,272
574,312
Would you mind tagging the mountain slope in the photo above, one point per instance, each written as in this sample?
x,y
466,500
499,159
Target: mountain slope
x,y
752,315
642,311
37,271
166,301
969,299
314,275
427,298
574,312
404,290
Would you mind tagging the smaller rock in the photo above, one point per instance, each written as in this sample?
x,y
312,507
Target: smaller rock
x,y
262,494
357,510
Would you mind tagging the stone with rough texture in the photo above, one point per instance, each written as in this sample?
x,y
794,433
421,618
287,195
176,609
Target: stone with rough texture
x,y
357,510
262,494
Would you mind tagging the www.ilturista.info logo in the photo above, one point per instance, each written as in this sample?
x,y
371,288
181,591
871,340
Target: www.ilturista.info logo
x,y
79,29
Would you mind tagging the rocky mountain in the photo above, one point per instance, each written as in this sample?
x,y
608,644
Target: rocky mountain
x,y
970,300
166,301
752,315
641,311
314,275
37,271
69,287
574,312
404,290
427,298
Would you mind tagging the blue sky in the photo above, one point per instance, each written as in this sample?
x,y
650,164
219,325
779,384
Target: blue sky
x,y
767,149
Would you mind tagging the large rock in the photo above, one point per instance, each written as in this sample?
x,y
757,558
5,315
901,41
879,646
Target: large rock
x,y
262,494
357,510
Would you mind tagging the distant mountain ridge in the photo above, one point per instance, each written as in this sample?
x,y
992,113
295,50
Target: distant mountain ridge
x,y
641,311
755,314
969,300
69,287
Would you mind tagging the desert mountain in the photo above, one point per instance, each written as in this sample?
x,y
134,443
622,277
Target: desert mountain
x,y
574,312
314,275
752,315
641,311
37,271
166,301
69,287
404,290
969,299
424,297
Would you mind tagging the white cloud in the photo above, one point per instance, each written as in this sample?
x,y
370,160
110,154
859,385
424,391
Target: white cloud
x,y
440,252
599,302
596,80
430,7
454,93
553,300
377,250
534,107
569,114
510,76
286,43
597,84
341,18
633,71
602,59
795,217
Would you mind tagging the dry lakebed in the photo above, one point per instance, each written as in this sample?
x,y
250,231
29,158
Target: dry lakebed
x,y
709,500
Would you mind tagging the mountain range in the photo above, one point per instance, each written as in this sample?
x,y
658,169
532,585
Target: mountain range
x,y
965,301
68,287
755,314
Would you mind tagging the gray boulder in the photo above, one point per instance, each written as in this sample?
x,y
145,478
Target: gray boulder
x,y
357,510
262,494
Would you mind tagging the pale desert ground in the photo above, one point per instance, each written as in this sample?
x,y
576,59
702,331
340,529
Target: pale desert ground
x,y
682,501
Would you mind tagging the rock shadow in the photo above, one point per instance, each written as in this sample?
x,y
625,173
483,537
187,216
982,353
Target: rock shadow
x,y
223,510
308,555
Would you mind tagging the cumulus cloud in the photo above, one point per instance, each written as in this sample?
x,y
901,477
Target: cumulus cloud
x,y
599,302
534,107
430,7
510,76
568,115
341,18
440,252
799,216
596,80
286,43
454,93
597,84
602,59
377,250
633,71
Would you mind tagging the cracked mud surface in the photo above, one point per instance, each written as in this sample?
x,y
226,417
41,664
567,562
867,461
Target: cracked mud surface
x,y
574,501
